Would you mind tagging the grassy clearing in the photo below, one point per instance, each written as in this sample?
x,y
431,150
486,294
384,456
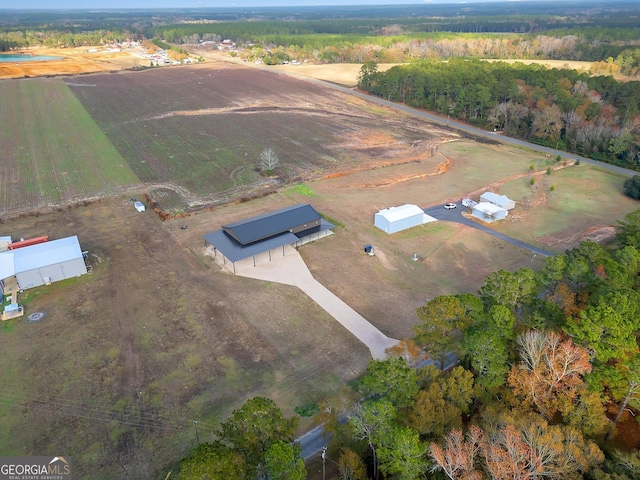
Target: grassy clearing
x,y
584,197
340,73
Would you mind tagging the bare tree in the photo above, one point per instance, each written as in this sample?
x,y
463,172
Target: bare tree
x,y
269,160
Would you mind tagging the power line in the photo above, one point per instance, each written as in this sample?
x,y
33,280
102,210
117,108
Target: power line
x,y
135,414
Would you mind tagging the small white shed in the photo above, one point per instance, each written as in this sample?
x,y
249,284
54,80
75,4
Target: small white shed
x,y
395,219
139,206
488,212
501,201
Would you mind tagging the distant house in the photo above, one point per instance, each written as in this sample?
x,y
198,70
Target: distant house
x,y
248,238
488,212
42,263
395,219
501,201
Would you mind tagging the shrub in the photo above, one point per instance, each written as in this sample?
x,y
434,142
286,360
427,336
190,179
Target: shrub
x,y
548,170
632,187
532,181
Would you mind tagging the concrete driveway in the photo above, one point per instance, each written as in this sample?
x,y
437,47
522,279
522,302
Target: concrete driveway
x,y
290,269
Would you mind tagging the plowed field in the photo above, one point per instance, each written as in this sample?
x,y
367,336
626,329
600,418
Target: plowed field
x,y
190,136
199,131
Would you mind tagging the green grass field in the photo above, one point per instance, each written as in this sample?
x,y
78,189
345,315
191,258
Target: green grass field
x,y
53,151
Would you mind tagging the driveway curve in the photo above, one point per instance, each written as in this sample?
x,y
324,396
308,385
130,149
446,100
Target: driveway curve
x,y
455,215
290,269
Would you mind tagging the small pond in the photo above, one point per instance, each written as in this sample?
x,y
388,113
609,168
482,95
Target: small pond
x,y
21,57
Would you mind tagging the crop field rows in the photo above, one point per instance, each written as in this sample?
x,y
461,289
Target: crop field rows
x,y
53,152
194,135
190,136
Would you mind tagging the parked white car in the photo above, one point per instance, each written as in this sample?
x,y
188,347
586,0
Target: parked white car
x,y
449,206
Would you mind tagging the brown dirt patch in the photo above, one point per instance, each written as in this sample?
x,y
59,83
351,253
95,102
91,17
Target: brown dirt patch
x,y
75,61
154,337
601,234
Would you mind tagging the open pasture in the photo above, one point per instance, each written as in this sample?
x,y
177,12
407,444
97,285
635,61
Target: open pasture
x,y
158,335
199,130
53,153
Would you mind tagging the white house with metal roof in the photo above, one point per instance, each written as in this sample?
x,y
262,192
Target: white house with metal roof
x,y
501,201
43,263
488,212
395,219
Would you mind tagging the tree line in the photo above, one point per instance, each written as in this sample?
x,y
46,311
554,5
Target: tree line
x,y
549,362
594,116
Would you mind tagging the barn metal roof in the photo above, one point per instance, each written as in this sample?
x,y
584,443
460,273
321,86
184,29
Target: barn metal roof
x,y
488,208
270,224
40,255
236,252
500,200
393,214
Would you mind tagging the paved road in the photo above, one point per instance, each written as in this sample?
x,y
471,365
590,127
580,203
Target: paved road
x,y
455,215
445,121
313,441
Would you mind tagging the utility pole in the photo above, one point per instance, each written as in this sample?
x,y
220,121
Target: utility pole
x,y
195,426
324,457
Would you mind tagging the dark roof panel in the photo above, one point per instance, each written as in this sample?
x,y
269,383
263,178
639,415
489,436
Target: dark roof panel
x,y
269,224
236,252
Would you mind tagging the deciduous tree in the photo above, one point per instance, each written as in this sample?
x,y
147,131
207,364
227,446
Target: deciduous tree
x,y
283,462
372,422
392,379
459,456
351,466
507,288
253,429
212,461
442,323
402,457
431,415
550,370
269,160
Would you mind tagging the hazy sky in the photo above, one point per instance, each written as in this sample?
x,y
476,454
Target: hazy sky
x,y
110,4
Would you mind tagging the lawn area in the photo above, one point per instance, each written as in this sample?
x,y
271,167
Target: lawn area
x,y
566,206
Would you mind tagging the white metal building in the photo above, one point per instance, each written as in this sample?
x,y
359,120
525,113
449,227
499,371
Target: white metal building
x,y
395,219
43,263
501,201
488,212
4,243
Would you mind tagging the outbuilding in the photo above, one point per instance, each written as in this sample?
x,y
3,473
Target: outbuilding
x,y
291,226
43,263
488,212
395,219
501,201
139,206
